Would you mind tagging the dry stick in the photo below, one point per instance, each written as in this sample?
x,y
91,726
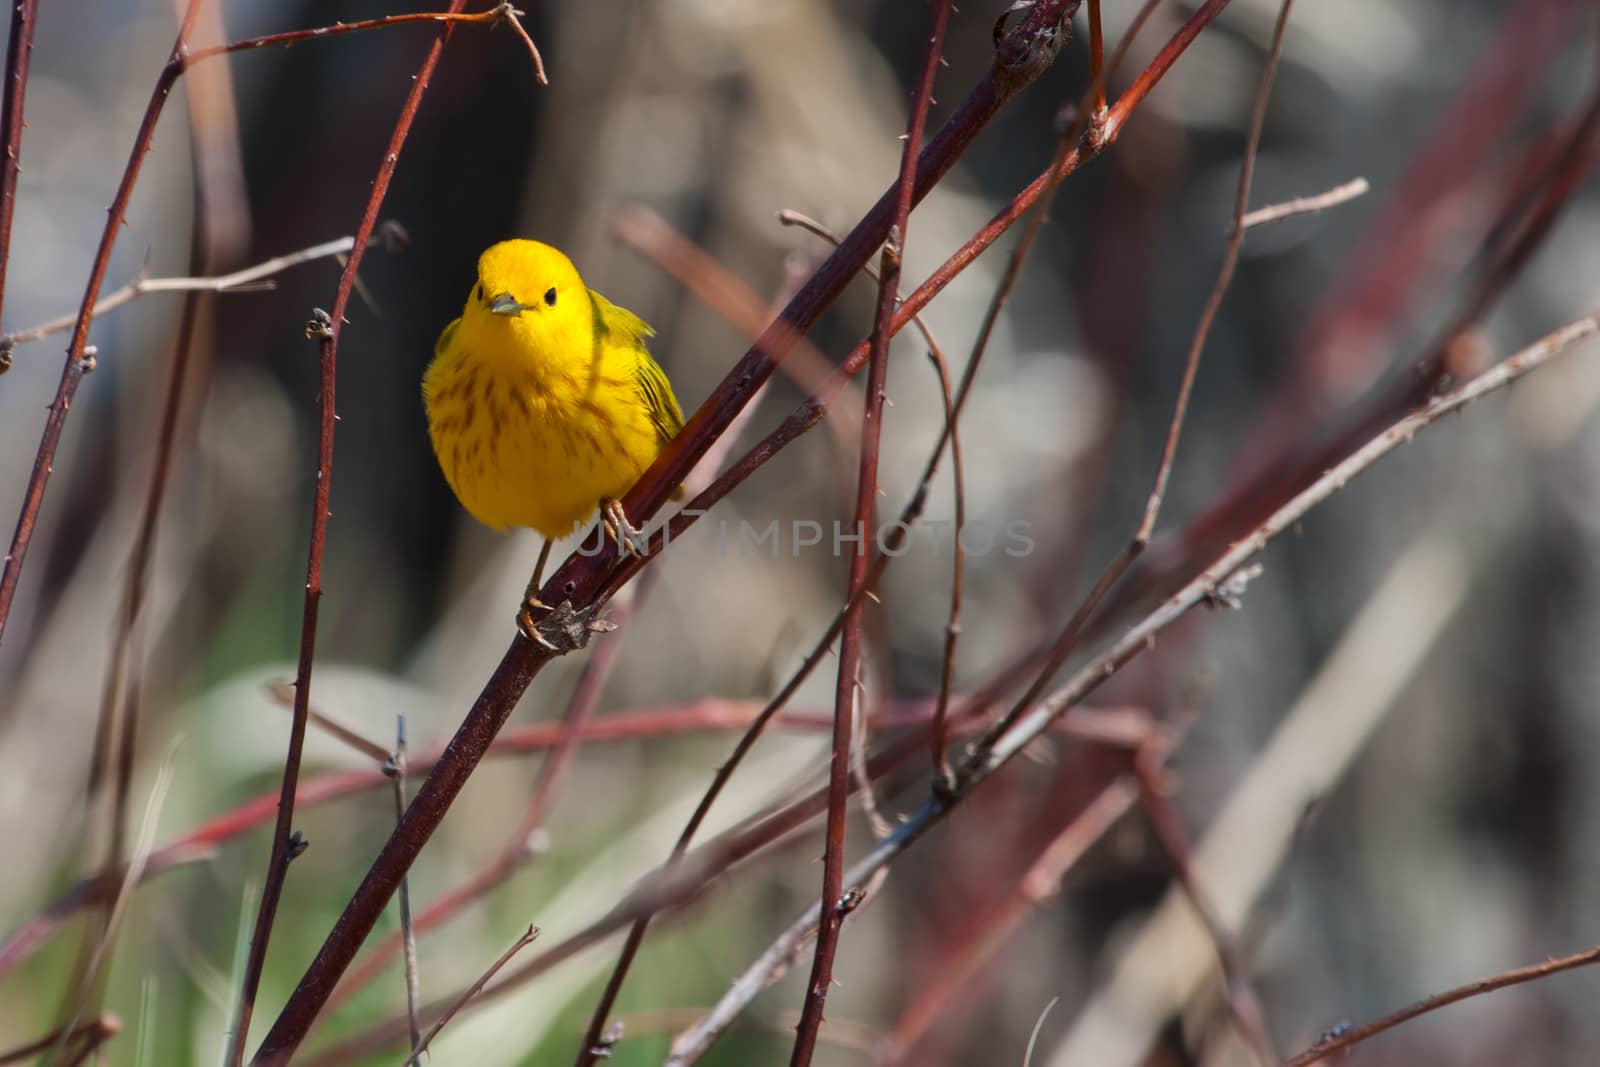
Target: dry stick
x,y
396,770
252,279
19,50
1204,588
833,905
1243,1004
1533,972
1307,205
326,328
419,1047
518,847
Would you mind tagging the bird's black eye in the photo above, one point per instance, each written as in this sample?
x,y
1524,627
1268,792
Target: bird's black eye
x,y
480,292
550,297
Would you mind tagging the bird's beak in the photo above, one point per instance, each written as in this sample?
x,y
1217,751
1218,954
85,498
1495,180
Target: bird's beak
x,y
506,304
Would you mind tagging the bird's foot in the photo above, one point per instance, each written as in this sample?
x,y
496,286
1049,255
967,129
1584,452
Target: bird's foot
x,y
629,538
563,628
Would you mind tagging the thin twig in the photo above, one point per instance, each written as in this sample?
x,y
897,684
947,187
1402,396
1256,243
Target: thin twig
x,y
19,50
451,18
1230,261
1038,1028
282,694
119,906
1243,1004
939,737
330,326
1344,1040
833,905
396,769
471,991
1306,205
249,280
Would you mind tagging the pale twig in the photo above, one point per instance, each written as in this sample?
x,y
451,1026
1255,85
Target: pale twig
x,y
130,878
471,991
253,279
396,770
1033,1038
1306,205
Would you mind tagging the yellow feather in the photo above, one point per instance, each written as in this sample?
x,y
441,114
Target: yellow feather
x,y
543,401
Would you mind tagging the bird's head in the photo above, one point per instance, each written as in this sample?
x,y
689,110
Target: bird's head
x,y
534,291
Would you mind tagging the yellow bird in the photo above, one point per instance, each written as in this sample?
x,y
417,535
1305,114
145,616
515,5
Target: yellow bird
x,y
544,404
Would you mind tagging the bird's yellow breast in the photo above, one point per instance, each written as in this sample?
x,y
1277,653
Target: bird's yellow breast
x,y
539,414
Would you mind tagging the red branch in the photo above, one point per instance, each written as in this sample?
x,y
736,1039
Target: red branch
x,y
832,912
18,51
283,850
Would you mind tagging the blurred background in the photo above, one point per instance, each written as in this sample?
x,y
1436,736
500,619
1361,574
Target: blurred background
x,y
1383,752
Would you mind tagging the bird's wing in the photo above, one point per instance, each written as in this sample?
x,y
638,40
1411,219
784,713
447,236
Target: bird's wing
x,y
656,391
629,331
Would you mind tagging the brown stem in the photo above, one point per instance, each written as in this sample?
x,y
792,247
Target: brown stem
x,y
19,49
331,325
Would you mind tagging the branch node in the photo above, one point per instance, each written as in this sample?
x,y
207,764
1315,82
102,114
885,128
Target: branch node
x,y
852,899
320,326
1229,593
